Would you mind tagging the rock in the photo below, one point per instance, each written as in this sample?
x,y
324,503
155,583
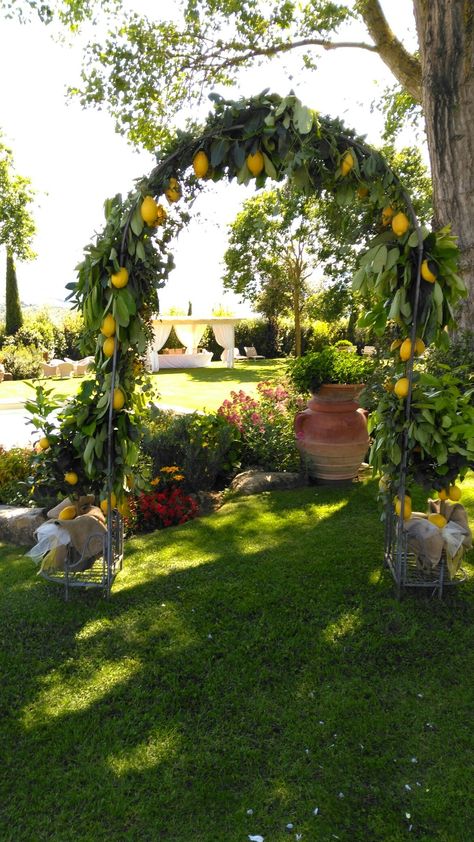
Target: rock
x,y
255,481
18,524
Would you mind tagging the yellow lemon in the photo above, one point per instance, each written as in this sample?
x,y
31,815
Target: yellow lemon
x,y
124,508
118,399
71,477
384,482
173,191
347,163
43,443
405,349
148,209
442,494
401,387
161,215
400,224
200,164
438,520
104,503
388,386
395,344
120,279
426,272
454,493
387,215
406,507
256,163
362,191
420,347
68,513
109,346
108,326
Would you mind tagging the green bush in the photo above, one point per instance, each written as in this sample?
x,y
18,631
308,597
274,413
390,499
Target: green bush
x,y
204,446
308,373
458,358
15,466
22,361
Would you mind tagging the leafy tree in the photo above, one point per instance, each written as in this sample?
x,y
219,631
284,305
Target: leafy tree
x,y
13,315
16,230
269,258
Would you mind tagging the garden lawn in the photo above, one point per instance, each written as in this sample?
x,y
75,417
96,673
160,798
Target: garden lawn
x,y
198,388
251,670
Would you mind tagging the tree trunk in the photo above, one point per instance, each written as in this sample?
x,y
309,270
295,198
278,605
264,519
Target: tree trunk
x,y
296,313
446,38
13,315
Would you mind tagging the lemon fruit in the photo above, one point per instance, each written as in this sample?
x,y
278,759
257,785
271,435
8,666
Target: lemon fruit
x,y
200,164
108,326
347,163
400,224
109,347
148,210
43,443
442,494
406,507
118,399
405,349
437,520
104,503
68,513
124,508
401,387
426,273
454,493
161,215
120,279
71,477
173,191
395,344
387,215
362,191
256,163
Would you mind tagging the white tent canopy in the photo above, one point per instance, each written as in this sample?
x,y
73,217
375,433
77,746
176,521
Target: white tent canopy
x,y
189,330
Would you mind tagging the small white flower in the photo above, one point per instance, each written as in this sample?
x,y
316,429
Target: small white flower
x,y
209,636
298,836
414,760
290,826
408,787
408,815
257,838
315,811
250,812
341,795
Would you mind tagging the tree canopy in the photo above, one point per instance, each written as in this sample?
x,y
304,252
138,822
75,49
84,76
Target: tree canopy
x,y
17,226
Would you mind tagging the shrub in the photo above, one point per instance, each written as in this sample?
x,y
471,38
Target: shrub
x,y
22,361
308,373
166,504
265,427
203,444
15,467
457,358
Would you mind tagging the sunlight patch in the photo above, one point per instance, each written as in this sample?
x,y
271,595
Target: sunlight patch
x,y
346,624
65,696
375,576
157,748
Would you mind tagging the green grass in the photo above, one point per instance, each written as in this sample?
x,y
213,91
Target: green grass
x,y
198,388
255,659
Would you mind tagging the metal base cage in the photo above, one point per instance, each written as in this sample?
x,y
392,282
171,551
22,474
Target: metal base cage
x,y
403,565
92,569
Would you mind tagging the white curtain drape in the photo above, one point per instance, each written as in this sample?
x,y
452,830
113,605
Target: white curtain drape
x,y
160,335
225,336
190,336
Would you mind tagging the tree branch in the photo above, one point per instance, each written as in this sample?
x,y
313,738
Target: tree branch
x,y
404,66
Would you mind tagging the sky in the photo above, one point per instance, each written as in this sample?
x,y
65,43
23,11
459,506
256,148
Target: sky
x,y
76,160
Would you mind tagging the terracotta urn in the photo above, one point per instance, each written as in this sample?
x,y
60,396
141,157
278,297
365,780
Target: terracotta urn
x,y
332,432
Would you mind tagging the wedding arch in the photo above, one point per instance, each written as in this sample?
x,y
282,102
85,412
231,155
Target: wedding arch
x,y
408,272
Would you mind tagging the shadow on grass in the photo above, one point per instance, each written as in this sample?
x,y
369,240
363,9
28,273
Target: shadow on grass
x,y
246,661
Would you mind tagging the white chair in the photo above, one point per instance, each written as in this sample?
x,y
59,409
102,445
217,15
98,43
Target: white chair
x,y
65,369
49,370
251,354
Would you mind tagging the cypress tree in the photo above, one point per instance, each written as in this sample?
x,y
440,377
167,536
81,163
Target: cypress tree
x,y
14,318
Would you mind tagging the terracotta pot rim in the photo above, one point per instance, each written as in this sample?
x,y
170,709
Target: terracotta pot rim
x,y
338,391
